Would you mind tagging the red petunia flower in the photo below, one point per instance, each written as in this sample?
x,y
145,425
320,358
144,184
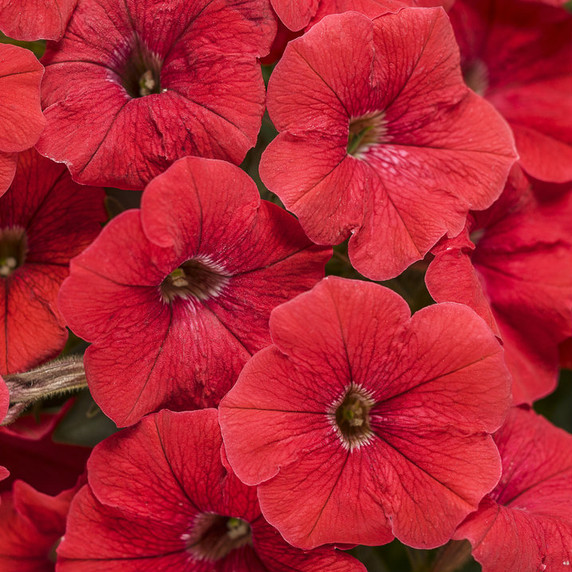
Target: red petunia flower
x,y
388,144
513,266
173,323
361,423
32,524
525,524
189,86
159,498
518,55
35,19
45,220
20,111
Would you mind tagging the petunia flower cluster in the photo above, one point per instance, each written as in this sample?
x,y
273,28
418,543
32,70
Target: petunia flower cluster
x,y
282,283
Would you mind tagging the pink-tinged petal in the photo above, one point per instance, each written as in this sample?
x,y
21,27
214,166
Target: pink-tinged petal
x,y
206,96
20,112
295,15
409,184
35,19
414,380
8,162
525,524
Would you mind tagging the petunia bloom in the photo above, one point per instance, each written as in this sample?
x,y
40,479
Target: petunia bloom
x,y
518,55
35,19
388,144
32,524
45,220
189,86
513,265
173,323
20,111
160,499
525,524
362,423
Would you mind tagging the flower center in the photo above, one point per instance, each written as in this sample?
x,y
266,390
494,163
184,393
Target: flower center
x,y
197,278
13,249
214,536
141,75
476,76
366,131
350,416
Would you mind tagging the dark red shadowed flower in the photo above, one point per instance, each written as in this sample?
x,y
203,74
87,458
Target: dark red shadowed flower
x,y
190,86
566,354
20,112
32,524
160,499
513,265
363,423
31,455
45,220
388,145
35,19
173,322
525,524
518,55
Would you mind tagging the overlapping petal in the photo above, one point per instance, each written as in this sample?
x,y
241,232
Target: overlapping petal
x,y
427,420
190,86
32,524
525,524
155,493
518,277
388,145
518,55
